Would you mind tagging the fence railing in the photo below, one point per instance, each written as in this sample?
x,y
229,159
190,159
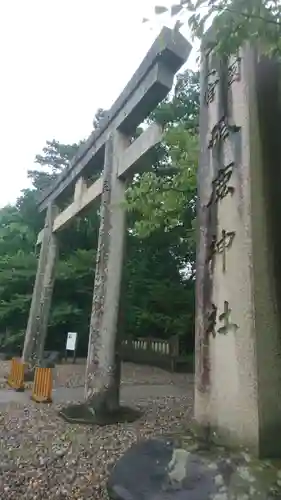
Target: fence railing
x,y
169,354
159,352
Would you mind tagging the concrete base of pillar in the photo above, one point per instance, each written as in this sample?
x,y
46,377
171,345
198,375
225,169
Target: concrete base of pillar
x,y
85,413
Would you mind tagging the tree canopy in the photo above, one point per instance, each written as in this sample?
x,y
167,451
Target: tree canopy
x,y
233,22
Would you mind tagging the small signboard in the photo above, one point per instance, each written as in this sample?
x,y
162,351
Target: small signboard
x,y
71,341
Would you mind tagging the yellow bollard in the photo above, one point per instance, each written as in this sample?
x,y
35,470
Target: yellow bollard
x,y
42,385
16,376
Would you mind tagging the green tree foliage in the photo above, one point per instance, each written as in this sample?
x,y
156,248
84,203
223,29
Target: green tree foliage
x,y
158,292
164,198
54,159
233,21
17,268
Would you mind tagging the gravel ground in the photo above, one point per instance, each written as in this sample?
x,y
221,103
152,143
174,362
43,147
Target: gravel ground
x,y
70,375
43,457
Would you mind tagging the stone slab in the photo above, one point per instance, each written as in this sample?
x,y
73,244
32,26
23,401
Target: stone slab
x,y
168,469
143,473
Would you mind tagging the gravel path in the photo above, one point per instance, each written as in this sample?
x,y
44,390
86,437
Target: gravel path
x,y
69,375
43,457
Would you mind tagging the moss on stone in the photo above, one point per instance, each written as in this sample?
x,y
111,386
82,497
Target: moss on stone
x,y
250,478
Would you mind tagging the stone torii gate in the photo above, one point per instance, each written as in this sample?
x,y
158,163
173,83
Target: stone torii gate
x,y
112,146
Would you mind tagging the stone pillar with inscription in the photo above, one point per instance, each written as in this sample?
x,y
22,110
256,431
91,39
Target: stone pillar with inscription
x,y
238,354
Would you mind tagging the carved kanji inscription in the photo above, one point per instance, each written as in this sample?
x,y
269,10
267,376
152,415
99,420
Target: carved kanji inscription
x,y
220,185
224,319
212,82
234,71
221,245
221,131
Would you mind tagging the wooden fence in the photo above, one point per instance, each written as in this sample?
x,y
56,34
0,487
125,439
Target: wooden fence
x,y
168,354
163,353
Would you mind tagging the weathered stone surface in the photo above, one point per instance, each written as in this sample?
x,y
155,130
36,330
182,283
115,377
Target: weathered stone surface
x,y
42,292
183,469
103,367
238,367
157,469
